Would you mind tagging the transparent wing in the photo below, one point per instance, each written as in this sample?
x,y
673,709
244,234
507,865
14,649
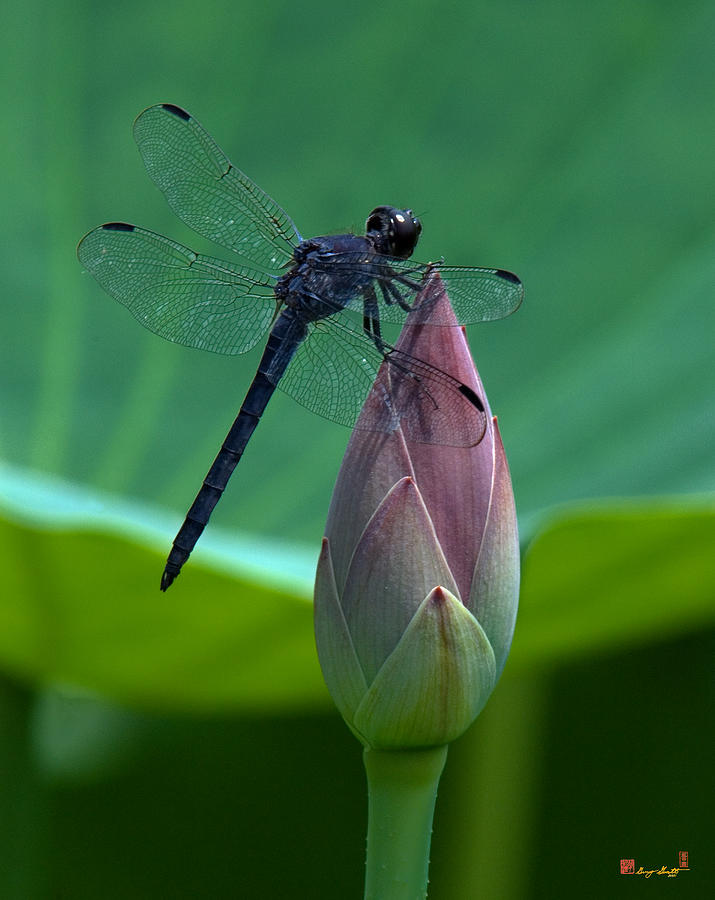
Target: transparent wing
x,y
187,298
335,368
476,294
213,197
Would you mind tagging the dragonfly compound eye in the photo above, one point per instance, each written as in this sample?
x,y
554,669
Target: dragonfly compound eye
x,y
395,231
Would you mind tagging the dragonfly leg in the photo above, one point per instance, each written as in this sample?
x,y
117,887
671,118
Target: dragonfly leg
x,y
371,318
392,295
371,324
410,282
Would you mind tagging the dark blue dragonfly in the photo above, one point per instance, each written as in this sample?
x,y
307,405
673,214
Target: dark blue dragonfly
x,y
324,300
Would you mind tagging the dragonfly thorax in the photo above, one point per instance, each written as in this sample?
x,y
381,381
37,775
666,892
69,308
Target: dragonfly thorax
x,y
328,272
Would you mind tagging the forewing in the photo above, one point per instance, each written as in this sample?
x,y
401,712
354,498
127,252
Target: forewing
x,y
476,294
481,295
212,196
183,296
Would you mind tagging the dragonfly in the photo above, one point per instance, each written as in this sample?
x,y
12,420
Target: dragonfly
x,y
322,301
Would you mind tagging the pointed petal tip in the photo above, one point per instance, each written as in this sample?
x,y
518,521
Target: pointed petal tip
x,y
498,443
439,596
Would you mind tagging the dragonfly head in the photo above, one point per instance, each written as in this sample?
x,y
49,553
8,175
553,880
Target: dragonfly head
x,y
393,231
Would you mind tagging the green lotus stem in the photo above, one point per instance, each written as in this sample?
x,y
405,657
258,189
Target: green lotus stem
x,y
402,786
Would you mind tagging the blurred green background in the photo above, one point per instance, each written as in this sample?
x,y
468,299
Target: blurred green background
x,y
184,746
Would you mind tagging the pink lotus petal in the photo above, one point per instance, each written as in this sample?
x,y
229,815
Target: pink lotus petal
x,y
396,564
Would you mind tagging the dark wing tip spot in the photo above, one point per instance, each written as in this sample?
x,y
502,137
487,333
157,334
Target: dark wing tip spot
x,y
118,226
176,110
471,396
508,276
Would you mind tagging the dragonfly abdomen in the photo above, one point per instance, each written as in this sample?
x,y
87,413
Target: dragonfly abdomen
x,y
211,490
281,346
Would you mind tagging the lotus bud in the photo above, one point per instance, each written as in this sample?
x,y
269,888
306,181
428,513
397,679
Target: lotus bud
x,y
417,583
